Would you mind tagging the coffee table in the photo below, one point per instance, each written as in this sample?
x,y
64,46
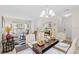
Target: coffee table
x,y
40,50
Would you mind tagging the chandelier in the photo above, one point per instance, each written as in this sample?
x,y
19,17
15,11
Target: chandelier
x,y
47,13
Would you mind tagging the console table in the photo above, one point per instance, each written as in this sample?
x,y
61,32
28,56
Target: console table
x,y
7,46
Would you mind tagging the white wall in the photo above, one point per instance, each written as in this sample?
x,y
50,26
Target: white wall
x,y
67,25
75,23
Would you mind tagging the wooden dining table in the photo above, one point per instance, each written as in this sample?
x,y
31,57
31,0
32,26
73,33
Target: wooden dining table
x,y
41,49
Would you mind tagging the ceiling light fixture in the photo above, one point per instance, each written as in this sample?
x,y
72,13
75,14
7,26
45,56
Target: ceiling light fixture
x,y
67,13
47,12
43,13
51,12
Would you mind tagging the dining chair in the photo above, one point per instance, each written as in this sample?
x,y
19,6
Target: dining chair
x,y
30,39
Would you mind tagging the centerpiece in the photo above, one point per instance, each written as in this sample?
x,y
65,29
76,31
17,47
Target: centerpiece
x,y
41,42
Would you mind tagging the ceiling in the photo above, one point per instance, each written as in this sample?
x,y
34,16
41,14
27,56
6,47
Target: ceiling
x,y
32,11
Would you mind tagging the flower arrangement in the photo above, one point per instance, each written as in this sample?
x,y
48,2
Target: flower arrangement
x,y
7,29
41,42
8,35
